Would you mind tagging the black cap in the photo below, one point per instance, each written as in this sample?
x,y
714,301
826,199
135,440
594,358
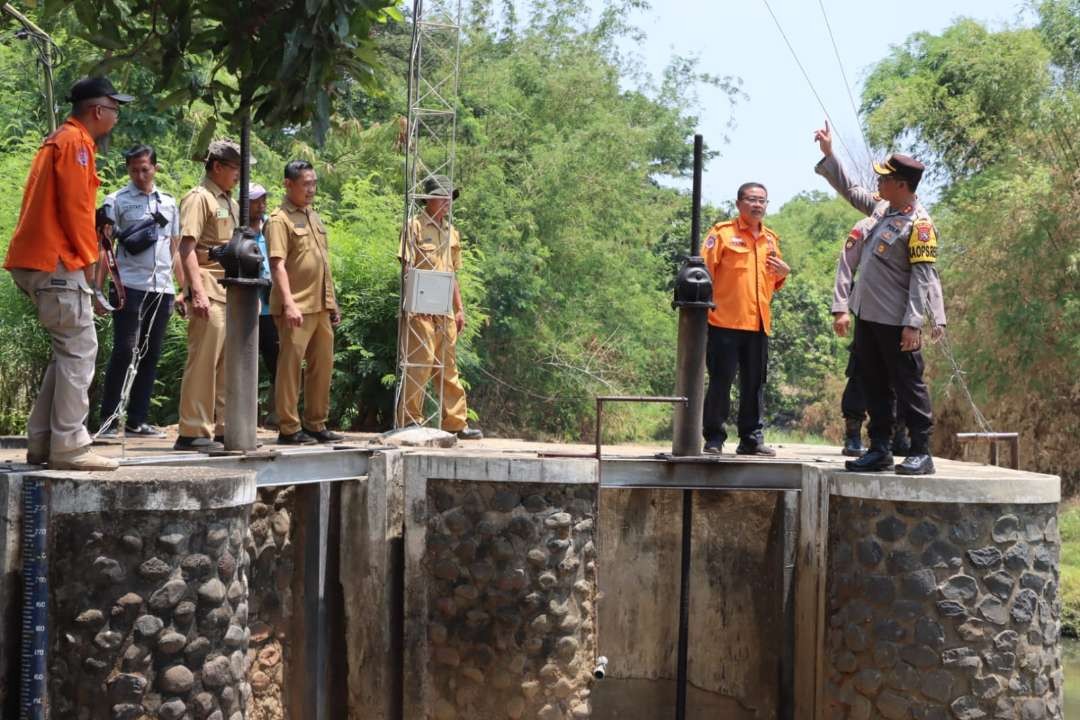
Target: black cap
x,y
95,87
902,166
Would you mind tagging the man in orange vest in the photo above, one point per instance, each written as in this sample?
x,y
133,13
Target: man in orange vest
x,y
51,259
743,257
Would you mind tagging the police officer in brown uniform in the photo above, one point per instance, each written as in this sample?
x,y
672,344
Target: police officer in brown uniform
x,y
898,287
304,308
208,216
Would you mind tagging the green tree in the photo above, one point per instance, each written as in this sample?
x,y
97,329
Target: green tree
x,y
967,93
1000,115
287,62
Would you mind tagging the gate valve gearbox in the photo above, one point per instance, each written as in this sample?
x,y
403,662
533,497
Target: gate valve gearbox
x,y
241,258
693,285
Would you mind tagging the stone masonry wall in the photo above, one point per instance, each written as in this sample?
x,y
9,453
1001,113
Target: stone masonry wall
x,y
942,611
271,600
511,589
149,607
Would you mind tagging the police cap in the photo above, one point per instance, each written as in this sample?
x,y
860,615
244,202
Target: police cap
x,y
95,87
440,186
903,167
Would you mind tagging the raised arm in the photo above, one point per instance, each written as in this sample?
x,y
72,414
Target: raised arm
x,y
830,168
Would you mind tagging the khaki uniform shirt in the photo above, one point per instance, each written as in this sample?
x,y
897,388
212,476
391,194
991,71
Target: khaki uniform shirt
x,y
298,236
210,215
895,254
426,249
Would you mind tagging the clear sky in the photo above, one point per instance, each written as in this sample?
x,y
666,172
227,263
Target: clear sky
x,y
772,141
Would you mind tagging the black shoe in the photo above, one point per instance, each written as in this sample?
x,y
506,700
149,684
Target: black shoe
x,y
108,433
198,444
468,433
297,438
143,430
876,459
853,447
754,448
324,435
714,447
919,464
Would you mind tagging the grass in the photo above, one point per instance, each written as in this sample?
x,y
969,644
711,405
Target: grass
x,y
793,437
1069,523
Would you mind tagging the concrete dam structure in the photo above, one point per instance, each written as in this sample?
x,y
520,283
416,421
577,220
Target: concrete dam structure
x,y
502,580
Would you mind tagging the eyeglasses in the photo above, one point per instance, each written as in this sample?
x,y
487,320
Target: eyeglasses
x,y
756,201
114,108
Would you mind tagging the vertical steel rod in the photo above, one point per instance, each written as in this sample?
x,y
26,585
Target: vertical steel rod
x,y
682,681
245,166
695,217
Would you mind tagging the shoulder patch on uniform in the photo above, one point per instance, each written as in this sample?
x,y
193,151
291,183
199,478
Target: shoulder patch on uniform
x,y
923,244
710,242
82,157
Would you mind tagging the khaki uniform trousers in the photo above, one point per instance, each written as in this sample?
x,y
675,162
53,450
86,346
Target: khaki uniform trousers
x,y
65,309
312,344
202,391
431,337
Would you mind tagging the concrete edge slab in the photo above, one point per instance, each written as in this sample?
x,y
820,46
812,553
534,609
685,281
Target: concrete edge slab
x,y
161,488
1030,490
482,467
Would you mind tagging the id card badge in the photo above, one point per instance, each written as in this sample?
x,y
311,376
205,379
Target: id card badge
x,y
222,213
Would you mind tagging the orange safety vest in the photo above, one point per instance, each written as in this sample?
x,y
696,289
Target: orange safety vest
x,y
742,284
56,222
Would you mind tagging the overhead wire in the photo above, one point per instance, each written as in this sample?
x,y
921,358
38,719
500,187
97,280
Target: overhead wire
x,y
809,82
843,75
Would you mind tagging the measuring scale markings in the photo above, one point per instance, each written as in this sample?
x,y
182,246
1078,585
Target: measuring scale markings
x,y
35,610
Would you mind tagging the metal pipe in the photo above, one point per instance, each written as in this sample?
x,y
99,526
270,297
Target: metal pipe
x,y
241,366
681,679
692,284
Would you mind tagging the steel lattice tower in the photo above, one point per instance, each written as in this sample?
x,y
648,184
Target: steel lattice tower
x,y
434,64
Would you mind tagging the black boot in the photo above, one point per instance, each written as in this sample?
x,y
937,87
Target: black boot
x,y
853,446
901,443
876,459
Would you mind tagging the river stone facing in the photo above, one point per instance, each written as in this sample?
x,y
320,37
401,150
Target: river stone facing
x,y
942,611
511,575
149,594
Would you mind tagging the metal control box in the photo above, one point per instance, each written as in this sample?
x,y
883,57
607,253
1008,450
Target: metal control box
x,y
429,292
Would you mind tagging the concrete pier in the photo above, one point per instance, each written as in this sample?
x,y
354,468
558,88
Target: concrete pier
x,y
484,582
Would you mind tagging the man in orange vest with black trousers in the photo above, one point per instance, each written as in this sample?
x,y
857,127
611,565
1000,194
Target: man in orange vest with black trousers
x,y
51,258
743,257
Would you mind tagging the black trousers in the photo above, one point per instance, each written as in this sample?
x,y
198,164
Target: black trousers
x,y
268,344
853,401
136,318
891,378
746,351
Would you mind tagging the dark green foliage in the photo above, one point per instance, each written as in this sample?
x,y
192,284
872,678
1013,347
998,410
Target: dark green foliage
x,y
290,60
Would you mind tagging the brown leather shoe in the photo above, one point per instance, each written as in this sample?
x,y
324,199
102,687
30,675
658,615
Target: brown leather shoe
x,y
81,459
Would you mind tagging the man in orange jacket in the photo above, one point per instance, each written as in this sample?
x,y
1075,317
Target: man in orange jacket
x,y
743,257
51,259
